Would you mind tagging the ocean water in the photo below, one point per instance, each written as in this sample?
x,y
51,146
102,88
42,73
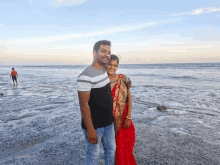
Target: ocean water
x,y
181,87
173,85
45,102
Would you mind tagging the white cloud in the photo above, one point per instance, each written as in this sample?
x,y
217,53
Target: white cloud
x,y
131,44
67,2
1,24
150,51
55,38
3,47
198,11
35,11
31,1
87,47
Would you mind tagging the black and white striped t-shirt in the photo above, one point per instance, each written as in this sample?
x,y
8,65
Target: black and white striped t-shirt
x,y
96,82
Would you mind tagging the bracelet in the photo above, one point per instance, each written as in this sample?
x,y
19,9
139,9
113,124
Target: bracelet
x,y
128,118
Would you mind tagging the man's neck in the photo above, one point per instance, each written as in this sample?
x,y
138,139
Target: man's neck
x,y
97,65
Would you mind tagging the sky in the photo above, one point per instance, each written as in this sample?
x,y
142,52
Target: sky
x,y
63,32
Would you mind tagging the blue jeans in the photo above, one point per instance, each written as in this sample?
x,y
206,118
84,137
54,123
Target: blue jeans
x,y
106,135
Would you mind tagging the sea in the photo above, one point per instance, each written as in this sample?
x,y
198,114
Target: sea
x,y
185,85
40,117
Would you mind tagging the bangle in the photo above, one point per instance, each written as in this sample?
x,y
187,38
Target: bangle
x,y
128,118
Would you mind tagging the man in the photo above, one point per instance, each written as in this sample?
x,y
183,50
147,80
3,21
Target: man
x,y
13,75
96,106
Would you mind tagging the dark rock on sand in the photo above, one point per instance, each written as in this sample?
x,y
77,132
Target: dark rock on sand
x,y
162,108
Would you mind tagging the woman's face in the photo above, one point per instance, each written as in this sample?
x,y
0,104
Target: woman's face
x,y
112,66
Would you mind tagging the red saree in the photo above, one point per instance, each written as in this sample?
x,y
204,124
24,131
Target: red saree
x,y
125,138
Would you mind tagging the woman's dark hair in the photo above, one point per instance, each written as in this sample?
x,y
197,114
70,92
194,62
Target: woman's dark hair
x,y
114,57
101,42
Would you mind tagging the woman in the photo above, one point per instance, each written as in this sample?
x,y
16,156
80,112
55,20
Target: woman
x,y
122,105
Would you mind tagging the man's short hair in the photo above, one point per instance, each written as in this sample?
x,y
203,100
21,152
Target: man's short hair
x,y
12,68
101,42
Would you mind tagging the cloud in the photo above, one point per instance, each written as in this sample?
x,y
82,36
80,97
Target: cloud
x,y
3,47
35,11
1,24
31,1
198,11
55,38
155,50
87,47
67,2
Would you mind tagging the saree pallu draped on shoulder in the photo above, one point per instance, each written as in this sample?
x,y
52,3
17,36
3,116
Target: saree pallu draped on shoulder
x,y
125,138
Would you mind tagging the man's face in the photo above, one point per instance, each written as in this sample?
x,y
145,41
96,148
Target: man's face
x,y
103,54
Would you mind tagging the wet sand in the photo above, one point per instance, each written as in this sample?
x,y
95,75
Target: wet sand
x,y
170,137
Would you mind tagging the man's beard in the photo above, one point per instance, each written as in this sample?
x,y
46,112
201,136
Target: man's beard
x,y
103,63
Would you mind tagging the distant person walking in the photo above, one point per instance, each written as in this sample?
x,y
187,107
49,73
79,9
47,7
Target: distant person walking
x,y
14,76
96,106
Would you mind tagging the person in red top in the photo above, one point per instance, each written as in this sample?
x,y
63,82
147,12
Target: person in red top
x,y
13,75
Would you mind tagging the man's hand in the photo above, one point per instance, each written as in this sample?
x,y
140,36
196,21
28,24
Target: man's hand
x,y
92,136
127,124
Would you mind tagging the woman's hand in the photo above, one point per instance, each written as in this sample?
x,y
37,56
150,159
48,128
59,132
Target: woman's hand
x,y
127,124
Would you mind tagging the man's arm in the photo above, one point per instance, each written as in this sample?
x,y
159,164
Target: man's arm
x,y
86,115
17,74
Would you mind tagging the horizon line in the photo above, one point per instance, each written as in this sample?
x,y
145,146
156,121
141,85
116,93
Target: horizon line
x,y
119,64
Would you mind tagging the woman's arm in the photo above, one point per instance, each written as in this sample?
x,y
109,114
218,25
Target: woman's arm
x,y
127,122
129,104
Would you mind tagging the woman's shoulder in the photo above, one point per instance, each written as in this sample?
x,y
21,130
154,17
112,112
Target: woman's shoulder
x,y
125,79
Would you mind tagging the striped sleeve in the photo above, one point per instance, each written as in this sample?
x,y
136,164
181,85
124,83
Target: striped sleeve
x,y
84,84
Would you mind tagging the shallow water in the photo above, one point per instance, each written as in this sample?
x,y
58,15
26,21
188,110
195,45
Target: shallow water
x,y
40,116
